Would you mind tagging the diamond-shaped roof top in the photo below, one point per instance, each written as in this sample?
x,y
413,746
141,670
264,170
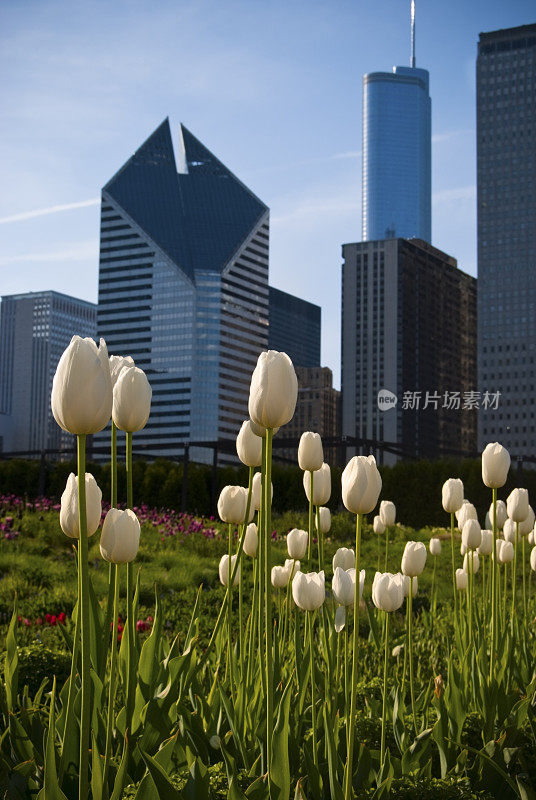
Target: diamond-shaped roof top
x,y
199,216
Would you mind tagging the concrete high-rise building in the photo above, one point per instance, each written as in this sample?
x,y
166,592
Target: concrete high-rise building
x,y
397,153
408,366
183,287
295,326
35,329
506,198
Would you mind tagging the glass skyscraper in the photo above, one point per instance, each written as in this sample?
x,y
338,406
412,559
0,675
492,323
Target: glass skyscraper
x,y
506,197
397,155
295,328
35,329
183,287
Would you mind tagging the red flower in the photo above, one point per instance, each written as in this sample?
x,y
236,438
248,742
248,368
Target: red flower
x,y
48,618
53,620
62,617
39,621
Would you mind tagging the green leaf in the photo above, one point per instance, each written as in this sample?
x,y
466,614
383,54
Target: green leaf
x,y
164,787
11,663
95,628
191,633
333,759
198,784
121,774
373,624
525,792
96,771
280,771
51,789
148,667
230,714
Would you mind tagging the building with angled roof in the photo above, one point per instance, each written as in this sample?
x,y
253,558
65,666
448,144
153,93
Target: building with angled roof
x,y
183,286
295,327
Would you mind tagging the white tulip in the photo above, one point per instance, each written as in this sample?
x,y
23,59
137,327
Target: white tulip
x,y
413,559
506,553
461,580
435,546
81,397
452,495
324,515
292,566
308,590
340,619
533,559
387,512
471,534
120,537
495,465
527,525
343,585
531,537
232,505
256,491
517,505
344,558
501,513
279,577
406,582
310,451
361,484
132,395
471,563
69,506
273,391
377,525
463,549
226,570
321,485
485,547
297,542
249,446
259,431
387,591
467,511
509,530
116,365
251,540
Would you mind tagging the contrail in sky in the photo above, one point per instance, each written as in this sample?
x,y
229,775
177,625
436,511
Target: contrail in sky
x,y
41,212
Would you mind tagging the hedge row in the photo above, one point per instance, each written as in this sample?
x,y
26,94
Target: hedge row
x,y
414,486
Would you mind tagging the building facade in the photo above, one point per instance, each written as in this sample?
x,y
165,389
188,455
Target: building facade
x,y
183,287
506,202
35,329
408,366
397,144
295,327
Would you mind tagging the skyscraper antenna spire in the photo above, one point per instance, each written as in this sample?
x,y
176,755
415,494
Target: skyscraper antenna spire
x,y
412,62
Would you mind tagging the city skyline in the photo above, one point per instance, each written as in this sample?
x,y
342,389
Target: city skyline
x,y
291,142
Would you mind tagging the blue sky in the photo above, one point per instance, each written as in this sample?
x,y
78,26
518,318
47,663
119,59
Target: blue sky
x,y
273,89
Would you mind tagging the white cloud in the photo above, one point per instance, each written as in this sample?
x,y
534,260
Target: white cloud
x,y
451,195
317,208
78,251
41,212
445,136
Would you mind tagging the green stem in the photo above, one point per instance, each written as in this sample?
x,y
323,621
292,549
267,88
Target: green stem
x,y
261,519
268,601
229,669
111,689
312,665
320,536
410,654
350,755
384,705
514,576
346,704
454,592
470,595
386,547
131,672
74,670
111,570
494,598
85,714
434,590
524,584
310,553
252,627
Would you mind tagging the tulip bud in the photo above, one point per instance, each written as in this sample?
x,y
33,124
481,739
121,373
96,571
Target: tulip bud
x,y
509,530
343,586
116,365
251,540
533,559
256,491
321,485
120,537
495,465
461,580
297,541
471,563
439,686
397,650
387,512
279,577
249,446
517,505
340,619
467,511
81,399
485,547
361,484
452,495
387,591
310,452
226,570
501,513
131,400
463,548
324,515
377,525
506,552
259,431
273,391
232,505
292,566
413,559
527,525
406,582
344,558
308,590
69,506
530,537
471,534
435,546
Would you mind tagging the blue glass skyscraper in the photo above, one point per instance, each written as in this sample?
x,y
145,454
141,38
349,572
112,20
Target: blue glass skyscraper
x,y
397,155
183,286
